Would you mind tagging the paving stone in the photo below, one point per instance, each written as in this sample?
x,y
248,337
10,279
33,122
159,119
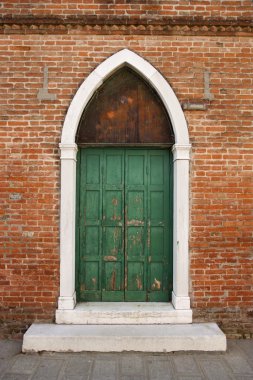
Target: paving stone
x,y
25,364
205,355
53,355
239,364
4,364
132,367
9,348
159,355
133,377
247,346
236,364
193,377
105,355
159,368
186,364
48,369
104,370
232,347
16,376
76,368
215,369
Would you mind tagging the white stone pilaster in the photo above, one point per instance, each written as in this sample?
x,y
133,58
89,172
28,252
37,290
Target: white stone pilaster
x,y
180,294
67,299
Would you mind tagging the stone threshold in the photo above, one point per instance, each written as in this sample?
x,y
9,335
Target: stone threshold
x,y
118,338
123,313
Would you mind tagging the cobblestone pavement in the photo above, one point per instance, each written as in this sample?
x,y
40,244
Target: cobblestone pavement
x,y
236,363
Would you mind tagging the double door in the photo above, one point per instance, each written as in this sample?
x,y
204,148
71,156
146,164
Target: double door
x,y
124,219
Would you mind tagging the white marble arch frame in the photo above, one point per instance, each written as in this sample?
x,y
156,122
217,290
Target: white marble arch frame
x,y
181,153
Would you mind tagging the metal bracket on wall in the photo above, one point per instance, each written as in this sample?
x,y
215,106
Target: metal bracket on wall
x,y
43,93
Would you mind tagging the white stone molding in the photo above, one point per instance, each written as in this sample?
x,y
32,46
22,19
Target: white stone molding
x,y
67,299
181,149
107,68
180,294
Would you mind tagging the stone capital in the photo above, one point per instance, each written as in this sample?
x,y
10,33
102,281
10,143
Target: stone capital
x,y
68,151
181,152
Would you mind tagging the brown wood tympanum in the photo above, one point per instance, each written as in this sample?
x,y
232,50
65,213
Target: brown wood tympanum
x,y
125,110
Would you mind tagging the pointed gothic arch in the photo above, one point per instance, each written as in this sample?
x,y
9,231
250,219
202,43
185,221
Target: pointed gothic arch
x,y
181,149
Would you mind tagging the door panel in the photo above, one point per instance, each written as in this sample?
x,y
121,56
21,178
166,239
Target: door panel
x,y
125,235
135,224
90,225
113,225
158,207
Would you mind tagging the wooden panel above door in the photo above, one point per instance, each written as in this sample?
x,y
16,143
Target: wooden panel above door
x,y
125,110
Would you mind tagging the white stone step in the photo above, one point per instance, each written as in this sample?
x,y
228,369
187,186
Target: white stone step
x,y
118,338
136,313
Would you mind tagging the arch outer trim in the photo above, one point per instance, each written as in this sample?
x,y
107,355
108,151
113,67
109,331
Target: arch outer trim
x,y
181,153
143,68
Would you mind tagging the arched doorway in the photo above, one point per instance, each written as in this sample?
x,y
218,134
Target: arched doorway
x,y
180,150
124,194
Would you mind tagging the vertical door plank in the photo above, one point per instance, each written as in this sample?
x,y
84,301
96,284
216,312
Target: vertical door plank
x,y
113,226
158,225
135,224
90,225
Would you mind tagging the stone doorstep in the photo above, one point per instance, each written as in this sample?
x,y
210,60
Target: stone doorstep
x,y
118,338
121,313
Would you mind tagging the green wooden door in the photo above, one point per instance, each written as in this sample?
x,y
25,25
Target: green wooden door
x,y
124,225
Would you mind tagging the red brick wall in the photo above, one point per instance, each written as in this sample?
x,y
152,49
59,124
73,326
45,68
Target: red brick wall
x,y
204,8
221,220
